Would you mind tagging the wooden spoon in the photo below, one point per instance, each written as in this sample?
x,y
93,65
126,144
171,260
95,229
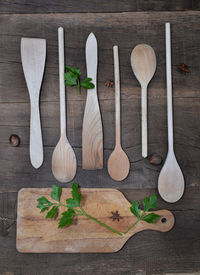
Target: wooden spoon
x,y
143,62
170,181
63,159
118,162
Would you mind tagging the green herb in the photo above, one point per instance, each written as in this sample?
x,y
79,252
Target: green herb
x,y
72,78
148,203
74,209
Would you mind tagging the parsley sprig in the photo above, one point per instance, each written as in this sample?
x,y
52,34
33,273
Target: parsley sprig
x,y
72,78
74,208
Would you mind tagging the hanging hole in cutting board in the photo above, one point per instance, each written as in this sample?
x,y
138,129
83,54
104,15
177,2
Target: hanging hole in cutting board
x,y
163,220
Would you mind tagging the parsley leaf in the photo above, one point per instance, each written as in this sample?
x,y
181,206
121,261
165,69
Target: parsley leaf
x,y
72,78
76,197
66,218
56,193
151,218
52,213
150,203
135,209
87,84
43,204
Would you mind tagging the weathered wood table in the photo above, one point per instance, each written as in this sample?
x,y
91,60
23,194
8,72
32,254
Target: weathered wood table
x,y
125,23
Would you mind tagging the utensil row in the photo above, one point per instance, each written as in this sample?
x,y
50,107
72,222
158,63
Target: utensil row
x,y
64,164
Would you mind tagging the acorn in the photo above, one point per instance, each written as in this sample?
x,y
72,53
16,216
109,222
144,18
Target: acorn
x,y
155,159
14,140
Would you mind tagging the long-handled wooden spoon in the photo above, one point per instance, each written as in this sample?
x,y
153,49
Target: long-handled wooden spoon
x,y
63,159
170,181
33,55
143,62
118,162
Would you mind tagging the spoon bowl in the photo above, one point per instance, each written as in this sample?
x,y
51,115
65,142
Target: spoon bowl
x,y
63,161
143,62
171,180
118,164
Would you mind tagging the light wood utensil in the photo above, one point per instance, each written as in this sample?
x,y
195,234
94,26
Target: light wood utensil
x,y
143,62
92,133
36,234
63,159
33,55
170,181
118,162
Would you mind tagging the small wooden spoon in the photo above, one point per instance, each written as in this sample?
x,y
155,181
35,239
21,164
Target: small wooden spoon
x,y
63,159
118,162
143,62
170,181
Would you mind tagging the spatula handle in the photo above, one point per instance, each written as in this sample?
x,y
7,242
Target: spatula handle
x,y
117,94
62,81
36,147
169,87
144,120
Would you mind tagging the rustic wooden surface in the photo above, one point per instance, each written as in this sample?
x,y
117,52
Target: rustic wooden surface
x,y
39,235
125,23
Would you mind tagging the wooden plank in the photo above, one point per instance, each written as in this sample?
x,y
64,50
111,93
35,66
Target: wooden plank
x,y
49,6
148,253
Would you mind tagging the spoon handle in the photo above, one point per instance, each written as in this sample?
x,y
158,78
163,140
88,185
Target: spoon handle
x,y
117,95
169,87
144,120
61,81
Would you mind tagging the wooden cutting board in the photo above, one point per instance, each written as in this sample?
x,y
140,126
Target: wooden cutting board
x,y
36,234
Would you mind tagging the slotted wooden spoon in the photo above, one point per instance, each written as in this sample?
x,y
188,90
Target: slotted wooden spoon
x,y
63,159
118,162
170,181
143,62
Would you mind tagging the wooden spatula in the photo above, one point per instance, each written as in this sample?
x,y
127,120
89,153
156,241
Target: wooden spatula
x,y
170,181
92,133
143,62
63,159
33,55
118,162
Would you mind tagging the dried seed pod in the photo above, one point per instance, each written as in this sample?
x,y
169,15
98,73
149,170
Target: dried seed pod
x,y
109,83
155,159
14,140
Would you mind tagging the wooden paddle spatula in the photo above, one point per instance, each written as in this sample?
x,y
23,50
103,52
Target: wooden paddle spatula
x,y
63,160
92,133
33,55
170,181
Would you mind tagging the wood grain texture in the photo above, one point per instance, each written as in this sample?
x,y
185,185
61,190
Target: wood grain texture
x,y
147,252
68,6
92,133
36,234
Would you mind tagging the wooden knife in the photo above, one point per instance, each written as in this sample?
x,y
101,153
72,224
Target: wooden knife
x,y
92,133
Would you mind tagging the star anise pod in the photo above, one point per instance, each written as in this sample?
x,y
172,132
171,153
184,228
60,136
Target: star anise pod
x,y
116,216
